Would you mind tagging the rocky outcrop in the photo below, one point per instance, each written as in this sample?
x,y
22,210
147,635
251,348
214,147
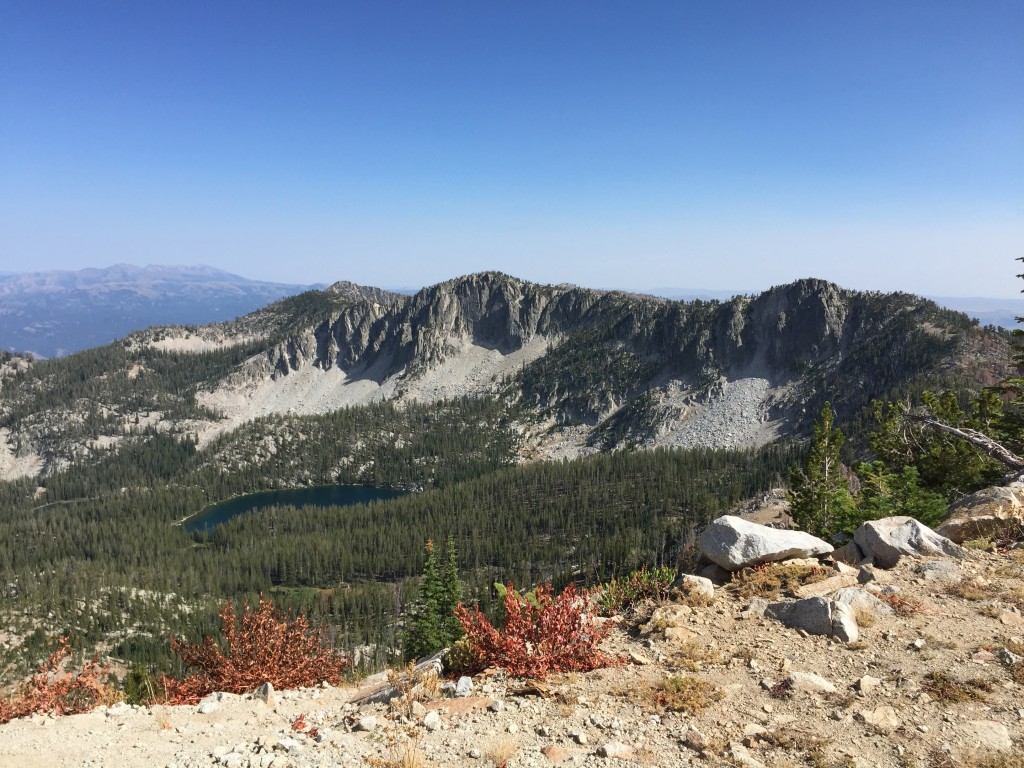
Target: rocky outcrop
x,y
733,543
987,513
885,541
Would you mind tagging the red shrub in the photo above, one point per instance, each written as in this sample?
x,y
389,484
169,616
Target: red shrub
x,y
261,647
553,635
52,690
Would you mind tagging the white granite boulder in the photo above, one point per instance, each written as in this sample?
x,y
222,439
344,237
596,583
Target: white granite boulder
x,y
885,541
734,543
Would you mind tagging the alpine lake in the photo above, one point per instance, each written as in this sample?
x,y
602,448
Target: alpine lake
x,y
318,496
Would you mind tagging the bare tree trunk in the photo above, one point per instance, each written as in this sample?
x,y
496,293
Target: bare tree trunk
x,y
988,446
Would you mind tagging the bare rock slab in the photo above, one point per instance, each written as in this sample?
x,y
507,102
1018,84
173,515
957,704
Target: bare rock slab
x,y
733,543
885,541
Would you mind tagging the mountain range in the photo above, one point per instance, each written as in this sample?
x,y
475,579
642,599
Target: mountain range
x,y
57,312
578,370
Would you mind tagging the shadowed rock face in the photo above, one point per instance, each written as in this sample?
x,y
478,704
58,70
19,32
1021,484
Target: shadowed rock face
x,y
811,334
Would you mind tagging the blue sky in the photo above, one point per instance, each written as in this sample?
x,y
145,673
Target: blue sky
x,y
680,144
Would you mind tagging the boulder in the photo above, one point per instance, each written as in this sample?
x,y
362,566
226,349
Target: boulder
x,y
826,586
939,570
697,586
885,541
817,616
848,554
989,512
861,600
734,543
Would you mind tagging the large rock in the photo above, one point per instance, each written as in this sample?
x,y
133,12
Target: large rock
x,y
885,541
734,543
989,512
862,600
817,616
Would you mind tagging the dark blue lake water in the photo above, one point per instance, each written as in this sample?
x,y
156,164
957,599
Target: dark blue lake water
x,y
320,496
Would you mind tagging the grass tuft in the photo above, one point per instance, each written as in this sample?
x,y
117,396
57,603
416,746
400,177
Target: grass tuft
x,y
770,580
949,690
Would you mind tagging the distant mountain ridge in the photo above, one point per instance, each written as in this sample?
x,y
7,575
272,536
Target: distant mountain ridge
x,y
57,312
987,311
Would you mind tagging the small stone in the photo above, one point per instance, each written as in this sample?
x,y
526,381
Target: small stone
x,y
882,719
367,723
431,721
614,749
939,570
742,757
579,737
287,744
638,658
698,586
556,754
207,707
1006,656
988,734
695,740
475,753
867,684
811,683
496,706
513,728
464,687
265,693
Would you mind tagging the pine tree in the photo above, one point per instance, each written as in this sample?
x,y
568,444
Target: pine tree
x,y
432,624
451,596
819,494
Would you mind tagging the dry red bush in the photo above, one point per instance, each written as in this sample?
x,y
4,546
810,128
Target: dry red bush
x,y
52,690
548,635
262,646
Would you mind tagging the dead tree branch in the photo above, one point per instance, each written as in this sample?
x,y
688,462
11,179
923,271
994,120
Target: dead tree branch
x,y
986,444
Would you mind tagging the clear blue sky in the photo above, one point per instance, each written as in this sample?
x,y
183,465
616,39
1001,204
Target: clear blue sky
x,y
634,145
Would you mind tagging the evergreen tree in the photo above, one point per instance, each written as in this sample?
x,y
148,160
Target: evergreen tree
x,y
819,494
451,596
885,494
432,623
